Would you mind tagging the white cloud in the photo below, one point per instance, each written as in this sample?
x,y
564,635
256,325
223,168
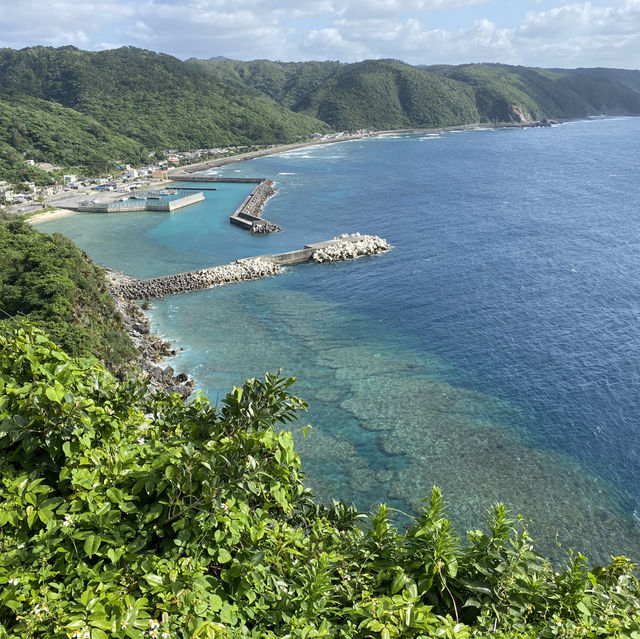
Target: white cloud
x,y
532,32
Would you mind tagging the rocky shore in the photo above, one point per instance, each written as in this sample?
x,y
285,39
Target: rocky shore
x,y
153,349
350,247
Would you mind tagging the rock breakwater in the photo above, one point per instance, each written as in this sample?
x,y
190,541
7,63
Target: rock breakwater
x,y
242,270
347,247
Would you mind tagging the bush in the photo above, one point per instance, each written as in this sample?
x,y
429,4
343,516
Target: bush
x,y
125,514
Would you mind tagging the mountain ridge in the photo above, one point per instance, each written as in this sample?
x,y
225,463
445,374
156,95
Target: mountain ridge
x,y
90,109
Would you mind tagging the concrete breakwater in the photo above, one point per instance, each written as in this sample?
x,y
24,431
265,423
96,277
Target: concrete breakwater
x,y
166,205
341,248
249,214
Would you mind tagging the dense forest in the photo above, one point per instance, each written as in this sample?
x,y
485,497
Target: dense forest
x,y
88,110
48,280
121,105
387,94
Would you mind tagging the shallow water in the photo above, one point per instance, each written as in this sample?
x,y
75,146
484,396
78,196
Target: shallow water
x,y
493,351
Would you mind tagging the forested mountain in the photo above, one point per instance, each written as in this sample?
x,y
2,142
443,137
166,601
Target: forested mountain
x,y
387,94
124,102
550,93
89,109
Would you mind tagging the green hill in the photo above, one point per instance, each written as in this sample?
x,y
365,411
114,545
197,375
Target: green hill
x,y
387,94
547,93
44,131
90,109
374,94
124,102
47,279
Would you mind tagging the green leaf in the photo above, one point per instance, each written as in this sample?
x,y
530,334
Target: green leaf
x,y
52,394
224,556
398,582
103,623
154,580
91,545
215,603
31,515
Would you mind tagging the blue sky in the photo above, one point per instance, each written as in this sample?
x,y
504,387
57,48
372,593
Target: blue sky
x,y
546,33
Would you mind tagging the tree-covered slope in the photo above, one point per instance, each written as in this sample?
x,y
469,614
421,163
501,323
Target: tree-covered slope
x,y
73,107
130,515
375,94
154,100
44,131
389,94
47,279
541,93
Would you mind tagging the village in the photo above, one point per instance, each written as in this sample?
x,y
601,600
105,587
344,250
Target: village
x,y
71,188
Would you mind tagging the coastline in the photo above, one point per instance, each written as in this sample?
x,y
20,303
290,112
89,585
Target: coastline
x,y
284,148
153,348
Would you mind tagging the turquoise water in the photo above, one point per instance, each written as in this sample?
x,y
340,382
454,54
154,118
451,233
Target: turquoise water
x,y
493,351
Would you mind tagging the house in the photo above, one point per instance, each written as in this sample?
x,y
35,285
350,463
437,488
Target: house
x,y
160,175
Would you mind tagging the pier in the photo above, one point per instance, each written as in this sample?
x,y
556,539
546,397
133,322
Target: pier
x,y
187,177
166,205
249,214
340,248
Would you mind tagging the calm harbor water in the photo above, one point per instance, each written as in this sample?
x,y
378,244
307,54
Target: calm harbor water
x,y
493,351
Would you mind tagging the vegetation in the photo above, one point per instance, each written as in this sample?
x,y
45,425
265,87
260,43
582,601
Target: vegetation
x,y
81,108
124,514
387,94
92,109
34,129
49,280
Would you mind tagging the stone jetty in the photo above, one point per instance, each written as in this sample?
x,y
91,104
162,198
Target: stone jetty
x,y
347,247
242,270
341,248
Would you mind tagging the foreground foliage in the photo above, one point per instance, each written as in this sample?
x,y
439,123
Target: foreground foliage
x,y
48,279
129,515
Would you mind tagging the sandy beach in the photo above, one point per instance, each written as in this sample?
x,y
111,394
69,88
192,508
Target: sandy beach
x,y
50,215
283,148
273,150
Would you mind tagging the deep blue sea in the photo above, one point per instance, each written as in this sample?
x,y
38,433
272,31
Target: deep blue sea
x,y
494,351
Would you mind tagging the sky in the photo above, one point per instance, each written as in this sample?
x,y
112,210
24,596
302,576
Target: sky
x,y
544,33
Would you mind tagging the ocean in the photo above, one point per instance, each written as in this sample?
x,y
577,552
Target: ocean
x,y
492,352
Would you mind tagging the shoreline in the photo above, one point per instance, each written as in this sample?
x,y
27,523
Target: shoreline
x,y
173,174
152,347
50,215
